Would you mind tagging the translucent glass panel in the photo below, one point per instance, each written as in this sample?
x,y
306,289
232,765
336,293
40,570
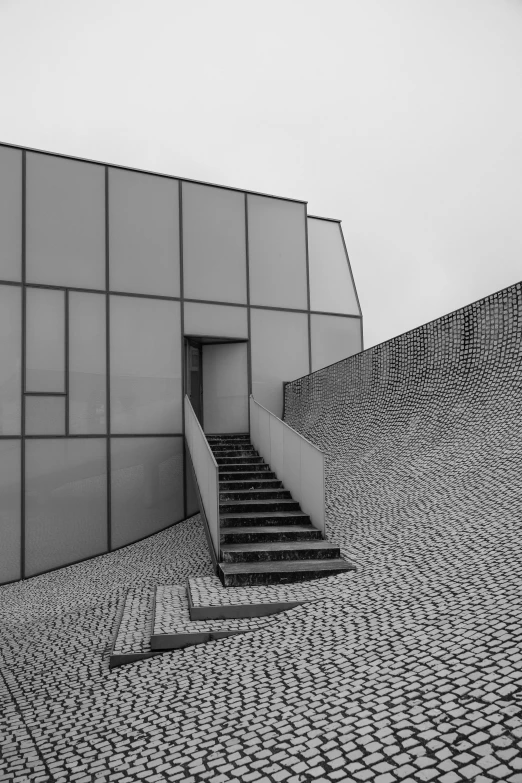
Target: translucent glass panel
x,y
331,284
147,486
225,388
145,366
10,214
45,340
143,233
45,415
279,353
65,501
65,222
333,339
87,364
215,320
214,251
10,359
10,526
277,252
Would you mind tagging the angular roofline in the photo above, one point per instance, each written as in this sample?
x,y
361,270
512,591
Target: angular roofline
x,y
147,171
319,217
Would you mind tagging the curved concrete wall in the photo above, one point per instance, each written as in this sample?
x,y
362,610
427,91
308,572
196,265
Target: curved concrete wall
x,y
426,424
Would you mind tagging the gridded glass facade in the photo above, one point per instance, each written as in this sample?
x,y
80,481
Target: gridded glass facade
x,y
110,279
65,222
333,339
277,252
280,352
331,283
10,360
10,214
65,501
214,248
143,233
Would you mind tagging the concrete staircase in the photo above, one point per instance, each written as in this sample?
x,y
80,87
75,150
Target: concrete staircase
x,y
272,557
265,536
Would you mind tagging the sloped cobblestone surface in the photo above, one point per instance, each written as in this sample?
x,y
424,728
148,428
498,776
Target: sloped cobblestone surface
x,y
409,671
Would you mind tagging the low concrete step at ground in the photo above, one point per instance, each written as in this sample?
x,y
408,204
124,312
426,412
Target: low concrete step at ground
x,y
208,598
152,621
279,550
133,629
270,572
174,628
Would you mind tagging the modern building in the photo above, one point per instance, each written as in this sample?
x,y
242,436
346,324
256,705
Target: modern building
x,y
121,290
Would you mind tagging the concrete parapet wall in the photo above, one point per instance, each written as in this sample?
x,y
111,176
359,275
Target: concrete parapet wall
x,y
427,423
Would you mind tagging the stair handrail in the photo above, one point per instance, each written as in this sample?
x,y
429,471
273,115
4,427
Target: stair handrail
x,y
297,462
206,472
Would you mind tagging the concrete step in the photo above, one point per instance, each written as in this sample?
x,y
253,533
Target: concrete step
x,y
208,599
233,455
252,484
257,505
259,534
234,451
268,493
228,438
248,475
174,629
230,447
249,459
263,518
242,467
279,551
132,637
235,574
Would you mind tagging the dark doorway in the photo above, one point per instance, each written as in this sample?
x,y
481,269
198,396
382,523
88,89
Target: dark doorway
x,y
194,377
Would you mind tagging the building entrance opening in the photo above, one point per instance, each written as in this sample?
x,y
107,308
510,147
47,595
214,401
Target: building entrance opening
x,y
194,376
216,382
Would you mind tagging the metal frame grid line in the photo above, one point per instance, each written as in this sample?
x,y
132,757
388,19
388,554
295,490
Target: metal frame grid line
x,y
309,318
22,385
44,394
146,171
182,339
73,289
108,465
66,362
249,318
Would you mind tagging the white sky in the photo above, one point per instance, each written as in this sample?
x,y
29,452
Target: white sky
x,y
401,117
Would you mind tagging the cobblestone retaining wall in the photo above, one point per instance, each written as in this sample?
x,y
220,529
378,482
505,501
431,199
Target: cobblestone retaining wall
x,y
423,424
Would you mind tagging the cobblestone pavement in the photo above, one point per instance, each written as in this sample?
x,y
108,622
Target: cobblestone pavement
x,y
208,591
409,671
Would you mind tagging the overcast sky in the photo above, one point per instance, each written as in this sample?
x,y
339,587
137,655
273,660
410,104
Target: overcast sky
x,y
401,117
